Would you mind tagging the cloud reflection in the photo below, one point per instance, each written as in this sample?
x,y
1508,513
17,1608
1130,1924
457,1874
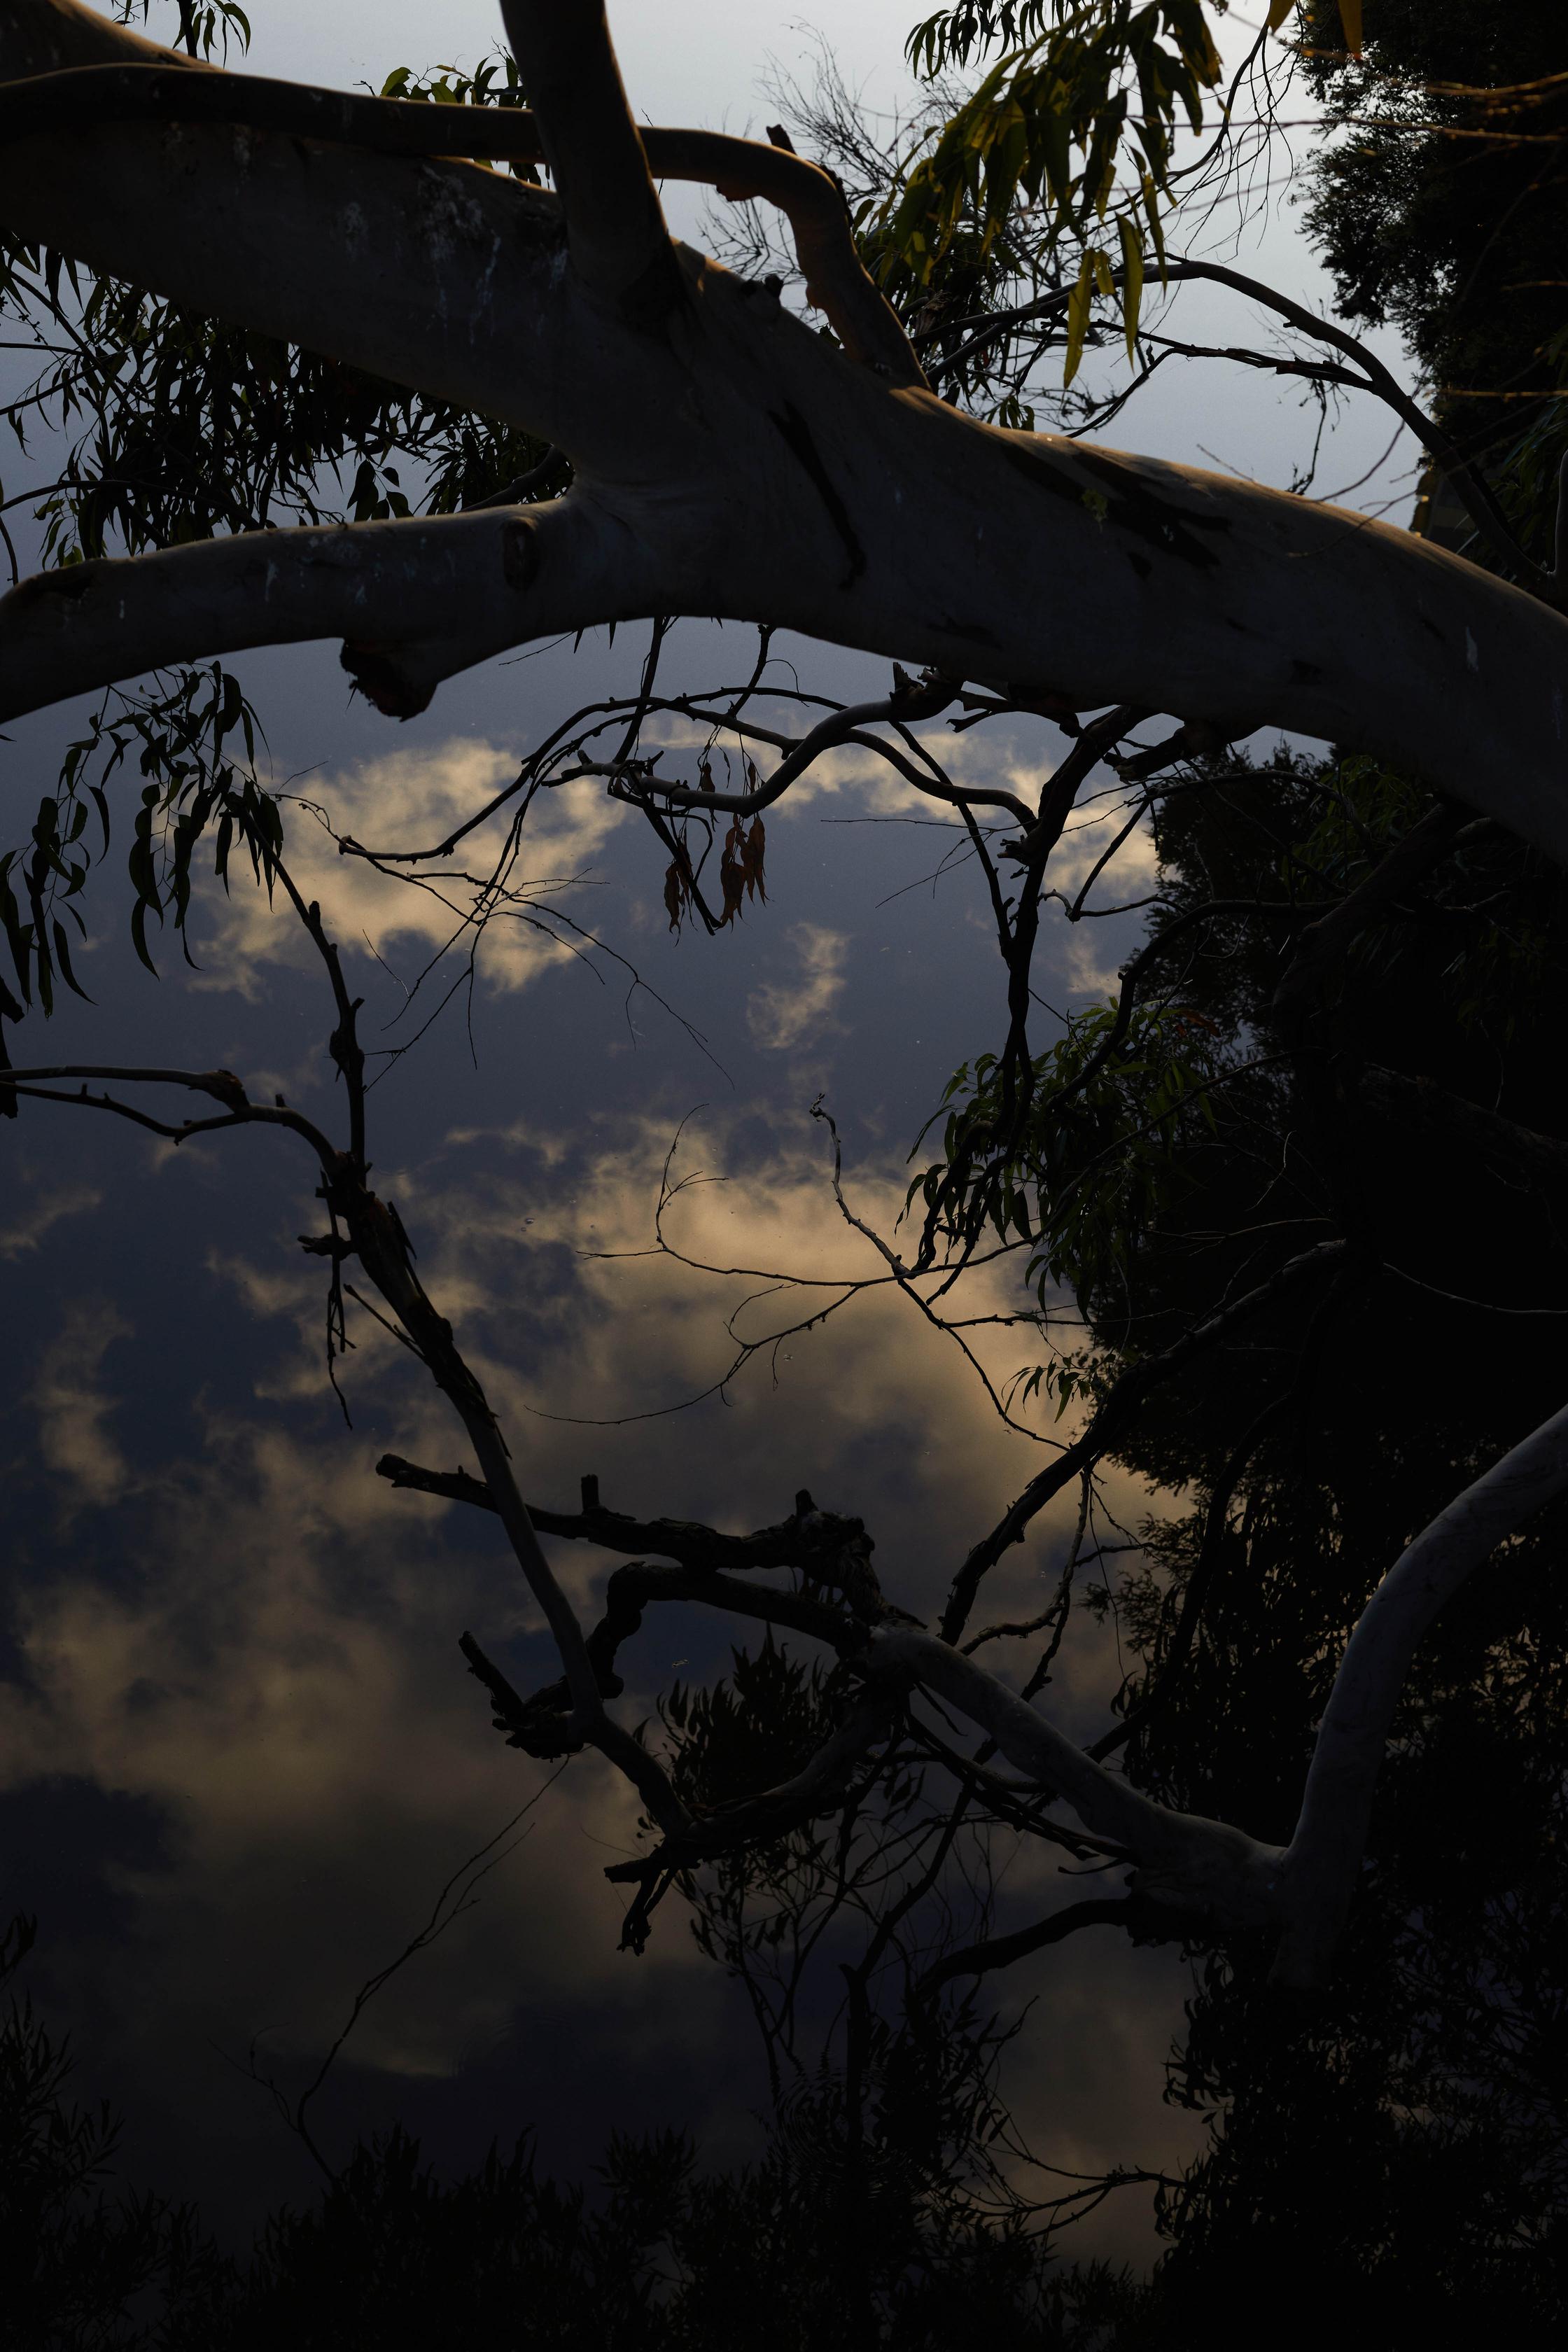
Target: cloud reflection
x,y
272,1667
413,800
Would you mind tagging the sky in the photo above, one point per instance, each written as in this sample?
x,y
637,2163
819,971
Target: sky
x,y
238,1752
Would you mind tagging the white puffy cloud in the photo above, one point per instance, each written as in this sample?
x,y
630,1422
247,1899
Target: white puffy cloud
x,y
50,1208
75,1407
403,801
280,1675
783,1014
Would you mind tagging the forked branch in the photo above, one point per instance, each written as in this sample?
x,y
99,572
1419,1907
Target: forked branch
x,y
743,171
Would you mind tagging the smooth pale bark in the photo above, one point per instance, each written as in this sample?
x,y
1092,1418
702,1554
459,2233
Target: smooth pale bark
x,y
1184,1861
1318,1872
617,240
413,602
765,476
742,170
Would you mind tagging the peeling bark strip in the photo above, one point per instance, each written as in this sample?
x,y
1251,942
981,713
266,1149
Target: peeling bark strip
x,y
797,436
1134,582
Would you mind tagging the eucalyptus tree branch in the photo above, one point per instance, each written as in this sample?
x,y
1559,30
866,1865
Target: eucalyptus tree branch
x,y
1124,1911
1016,1803
615,229
221,1085
382,1247
1182,1859
546,1724
795,487
1189,1866
569,69
1018,946
909,700
374,1232
1322,1861
810,1541
1468,485
413,601
742,170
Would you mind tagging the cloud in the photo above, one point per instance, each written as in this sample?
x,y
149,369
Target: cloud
x,y
277,1672
74,1407
47,1211
587,1333
783,1014
415,799
1086,958
280,1679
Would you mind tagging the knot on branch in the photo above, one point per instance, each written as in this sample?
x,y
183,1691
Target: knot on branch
x,y
653,1878
379,673
835,1552
337,1247
226,1088
541,1726
1196,739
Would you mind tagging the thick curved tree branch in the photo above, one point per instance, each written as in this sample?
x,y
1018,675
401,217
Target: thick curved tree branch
x,y
781,483
1323,1858
742,170
1183,1860
413,601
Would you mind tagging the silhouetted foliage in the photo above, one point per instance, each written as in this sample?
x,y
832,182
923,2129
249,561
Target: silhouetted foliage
x,y
657,2256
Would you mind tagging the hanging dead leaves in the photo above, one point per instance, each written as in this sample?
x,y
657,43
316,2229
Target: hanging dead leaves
x,y
677,887
740,864
740,868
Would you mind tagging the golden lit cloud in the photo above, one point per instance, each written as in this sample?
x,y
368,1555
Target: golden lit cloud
x,y
403,801
783,1014
75,1408
49,1209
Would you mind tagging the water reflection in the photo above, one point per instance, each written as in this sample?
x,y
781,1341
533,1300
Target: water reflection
x,y
229,1623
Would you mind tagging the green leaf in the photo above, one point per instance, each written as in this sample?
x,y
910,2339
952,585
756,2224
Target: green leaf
x,y
139,934
63,957
1131,283
1079,308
